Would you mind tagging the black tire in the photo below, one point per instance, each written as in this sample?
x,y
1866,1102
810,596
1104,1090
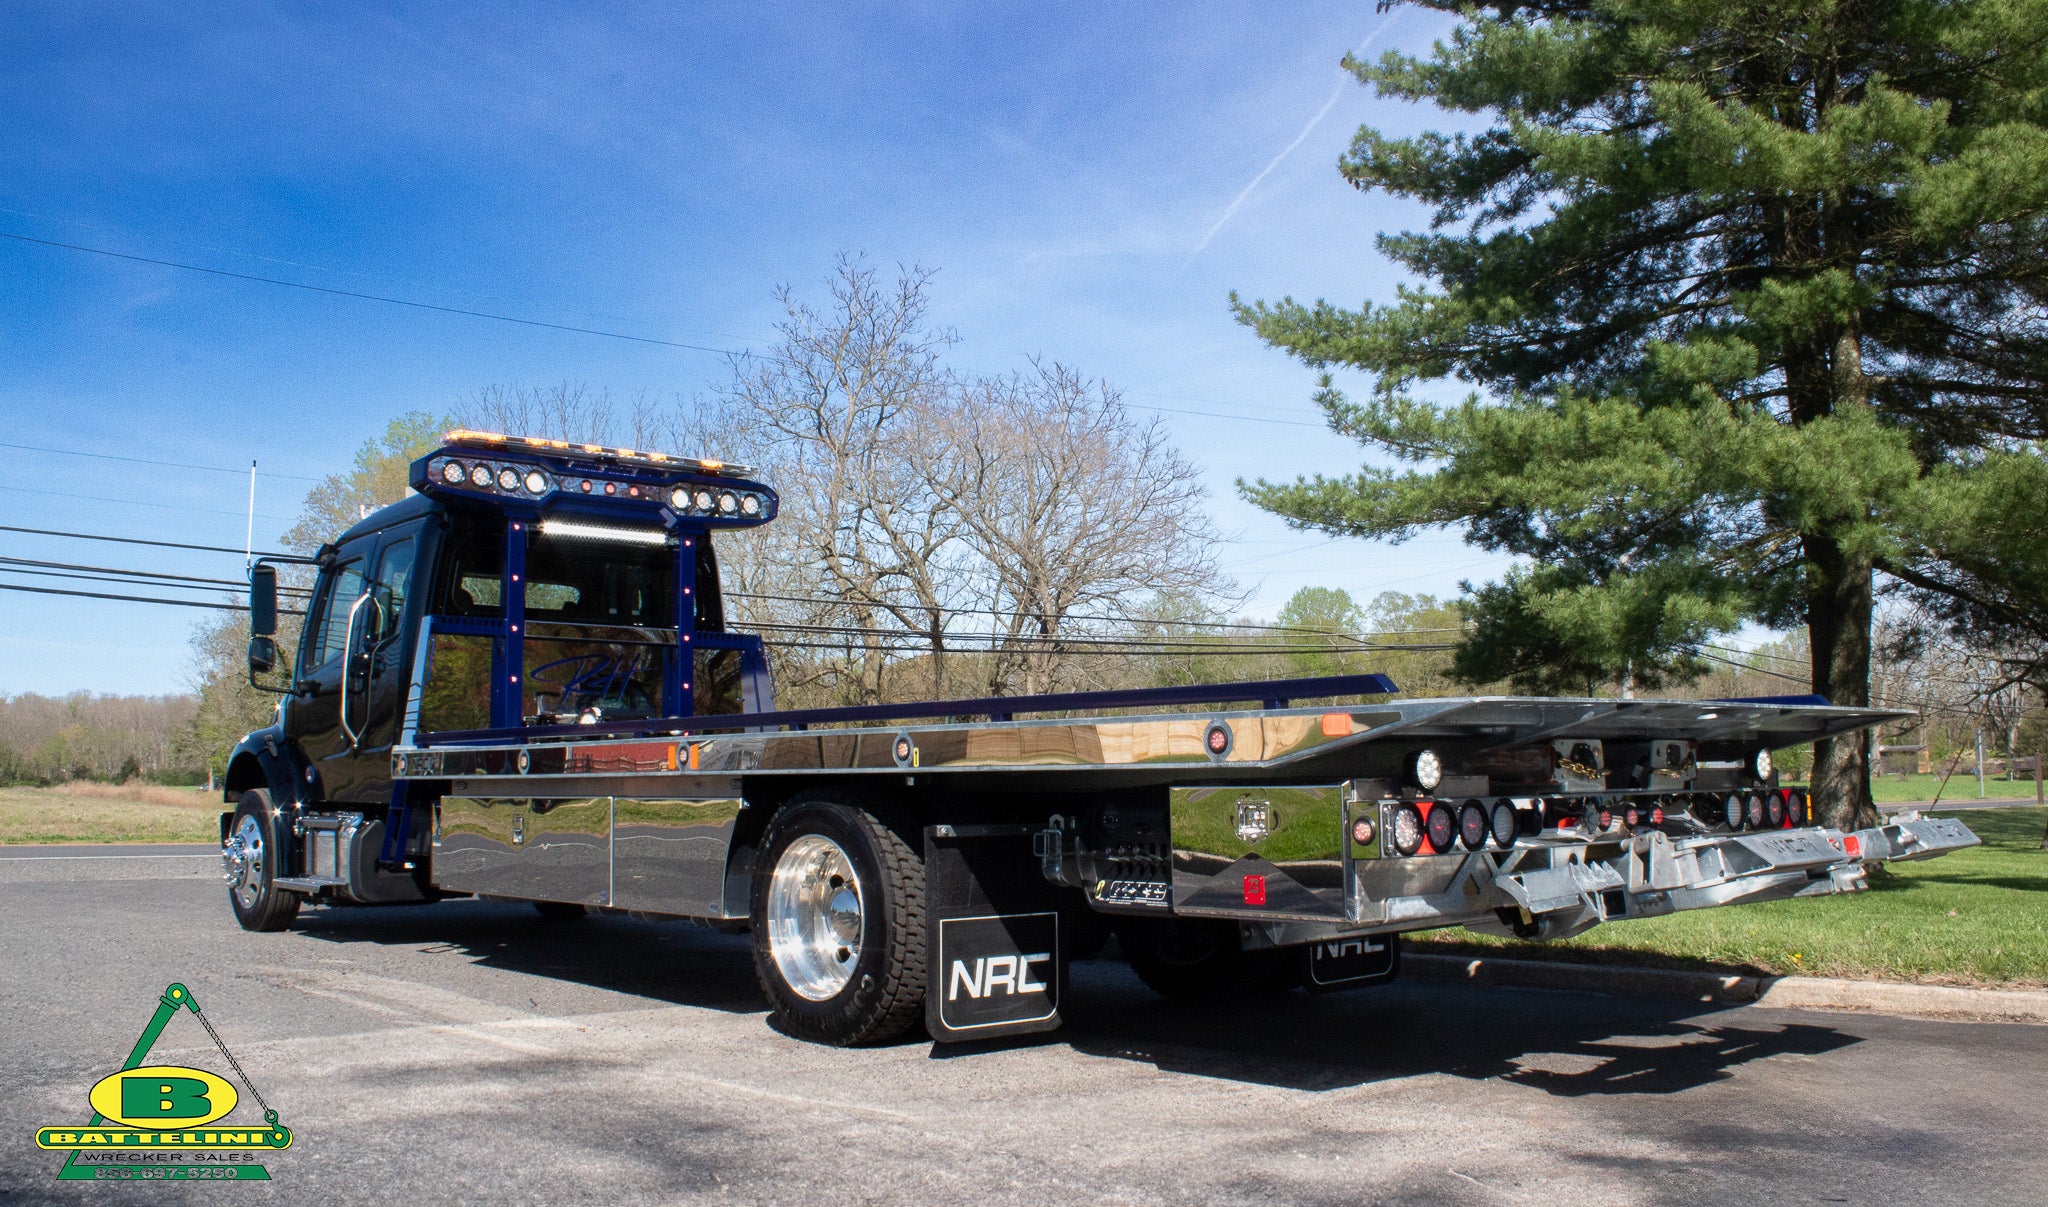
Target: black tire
x,y
883,964
1201,960
560,911
258,903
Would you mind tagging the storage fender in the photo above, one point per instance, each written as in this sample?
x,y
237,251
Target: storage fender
x,y
263,760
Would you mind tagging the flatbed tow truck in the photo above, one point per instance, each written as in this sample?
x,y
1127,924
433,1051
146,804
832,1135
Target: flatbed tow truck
x,y
518,683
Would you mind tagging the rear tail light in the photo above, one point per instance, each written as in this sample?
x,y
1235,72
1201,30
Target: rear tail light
x,y
1774,807
1473,825
1404,829
1756,811
1504,824
1442,825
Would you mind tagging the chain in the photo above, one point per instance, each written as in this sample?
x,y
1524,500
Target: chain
x,y
269,1116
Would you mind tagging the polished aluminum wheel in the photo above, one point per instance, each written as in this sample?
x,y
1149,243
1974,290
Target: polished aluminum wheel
x,y
816,917
242,861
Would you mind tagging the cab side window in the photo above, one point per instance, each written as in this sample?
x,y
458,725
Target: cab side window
x,y
345,586
394,576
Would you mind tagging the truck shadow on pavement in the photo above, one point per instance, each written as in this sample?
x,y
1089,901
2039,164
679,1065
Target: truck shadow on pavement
x,y
1569,1045
676,963
1565,1044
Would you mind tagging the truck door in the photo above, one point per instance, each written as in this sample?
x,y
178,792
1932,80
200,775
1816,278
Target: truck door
x,y
313,716
356,663
383,660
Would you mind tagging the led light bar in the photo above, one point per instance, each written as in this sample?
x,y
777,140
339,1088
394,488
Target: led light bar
x,y
603,532
616,456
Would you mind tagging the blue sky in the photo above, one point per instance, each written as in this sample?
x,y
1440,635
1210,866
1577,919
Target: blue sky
x,y
1077,175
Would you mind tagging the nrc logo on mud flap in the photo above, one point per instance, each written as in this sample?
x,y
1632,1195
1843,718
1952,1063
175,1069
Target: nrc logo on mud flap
x,y
1000,970
1352,962
996,974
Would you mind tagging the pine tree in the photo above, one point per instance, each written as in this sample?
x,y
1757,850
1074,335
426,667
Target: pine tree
x,y
1748,292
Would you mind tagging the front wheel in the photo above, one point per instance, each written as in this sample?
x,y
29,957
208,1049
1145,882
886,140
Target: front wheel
x,y
249,860
839,931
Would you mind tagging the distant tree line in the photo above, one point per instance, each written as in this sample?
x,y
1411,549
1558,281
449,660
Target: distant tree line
x,y
48,739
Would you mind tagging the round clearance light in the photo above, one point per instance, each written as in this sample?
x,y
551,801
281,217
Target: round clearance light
x,y
1761,764
586,486
703,501
1363,831
679,498
750,504
1606,818
1632,816
1503,824
452,473
1731,812
728,503
1405,830
480,476
536,482
1427,770
508,479
1756,811
611,488
1657,816
1442,827
1774,809
1472,825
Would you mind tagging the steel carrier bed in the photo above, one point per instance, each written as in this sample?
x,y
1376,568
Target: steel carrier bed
x,y
943,861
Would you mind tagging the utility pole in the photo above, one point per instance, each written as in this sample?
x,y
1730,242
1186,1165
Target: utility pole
x,y
249,535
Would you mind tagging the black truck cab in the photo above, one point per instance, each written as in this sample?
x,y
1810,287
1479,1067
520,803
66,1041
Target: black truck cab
x,y
523,582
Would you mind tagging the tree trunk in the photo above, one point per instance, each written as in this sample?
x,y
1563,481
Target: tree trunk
x,y
1838,615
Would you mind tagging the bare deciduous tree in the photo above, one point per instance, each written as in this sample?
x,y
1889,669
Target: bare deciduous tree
x,y
837,416
1071,508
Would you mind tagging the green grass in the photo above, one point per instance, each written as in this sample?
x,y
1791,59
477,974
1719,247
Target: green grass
x,y
86,812
1961,787
1978,916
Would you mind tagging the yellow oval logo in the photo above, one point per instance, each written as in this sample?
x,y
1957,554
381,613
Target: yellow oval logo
x,y
163,1097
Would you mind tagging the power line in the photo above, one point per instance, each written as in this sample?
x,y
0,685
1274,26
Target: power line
x,y
130,540
368,297
525,322
216,469
189,578
148,599
154,504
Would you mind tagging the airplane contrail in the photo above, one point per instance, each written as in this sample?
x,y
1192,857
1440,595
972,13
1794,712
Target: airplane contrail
x,y
1237,202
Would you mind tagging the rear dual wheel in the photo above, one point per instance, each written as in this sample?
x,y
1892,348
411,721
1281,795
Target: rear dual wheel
x,y
839,928
1204,960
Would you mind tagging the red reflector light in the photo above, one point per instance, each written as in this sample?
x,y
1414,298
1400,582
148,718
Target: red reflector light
x,y
1336,724
1853,846
1657,816
1254,890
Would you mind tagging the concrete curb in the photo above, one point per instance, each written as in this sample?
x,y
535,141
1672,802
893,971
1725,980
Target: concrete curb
x,y
1784,993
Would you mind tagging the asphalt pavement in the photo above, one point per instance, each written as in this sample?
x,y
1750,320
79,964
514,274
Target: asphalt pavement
x,y
474,1052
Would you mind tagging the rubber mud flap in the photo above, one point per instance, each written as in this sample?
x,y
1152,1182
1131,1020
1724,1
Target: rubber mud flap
x,y
1350,963
998,964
